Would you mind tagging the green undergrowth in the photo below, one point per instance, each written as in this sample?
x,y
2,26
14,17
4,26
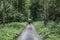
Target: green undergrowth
x,y
11,30
50,31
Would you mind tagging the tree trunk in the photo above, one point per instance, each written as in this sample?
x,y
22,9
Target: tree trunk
x,y
45,12
3,7
17,6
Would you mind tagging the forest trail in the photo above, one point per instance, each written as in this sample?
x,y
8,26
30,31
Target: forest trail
x,y
29,34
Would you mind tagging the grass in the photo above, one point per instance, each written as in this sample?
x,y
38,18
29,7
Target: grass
x,y
11,30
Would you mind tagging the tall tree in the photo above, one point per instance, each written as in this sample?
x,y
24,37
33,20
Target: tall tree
x,y
3,10
45,11
35,6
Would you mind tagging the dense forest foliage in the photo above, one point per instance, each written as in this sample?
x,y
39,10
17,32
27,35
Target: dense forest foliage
x,y
21,10
15,13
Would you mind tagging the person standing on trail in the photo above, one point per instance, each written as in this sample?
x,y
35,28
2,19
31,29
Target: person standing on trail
x,y
29,21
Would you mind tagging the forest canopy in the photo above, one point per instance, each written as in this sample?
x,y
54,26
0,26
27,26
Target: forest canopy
x,y
21,10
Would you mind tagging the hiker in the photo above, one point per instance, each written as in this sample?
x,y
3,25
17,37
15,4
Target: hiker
x,y
29,21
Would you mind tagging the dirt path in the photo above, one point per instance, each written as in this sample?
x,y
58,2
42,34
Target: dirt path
x,y
29,34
